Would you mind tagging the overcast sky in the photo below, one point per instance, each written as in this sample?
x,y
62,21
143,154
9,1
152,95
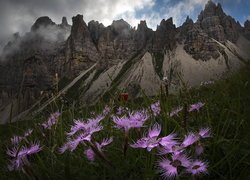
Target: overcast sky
x,y
19,15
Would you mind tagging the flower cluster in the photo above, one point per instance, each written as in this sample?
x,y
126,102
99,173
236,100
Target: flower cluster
x,y
20,155
90,154
81,131
15,140
51,121
133,120
193,107
170,145
174,152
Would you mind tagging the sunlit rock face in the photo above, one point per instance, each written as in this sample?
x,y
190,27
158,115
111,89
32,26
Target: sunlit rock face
x,y
212,25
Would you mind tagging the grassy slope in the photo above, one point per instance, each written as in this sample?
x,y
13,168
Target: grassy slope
x,y
227,112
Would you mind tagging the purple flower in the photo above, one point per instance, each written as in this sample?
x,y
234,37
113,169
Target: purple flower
x,y
84,132
19,156
197,167
15,140
169,169
156,108
135,120
151,140
190,139
28,132
169,141
91,126
72,144
106,111
51,121
176,111
170,145
196,106
199,149
138,116
121,110
90,154
205,133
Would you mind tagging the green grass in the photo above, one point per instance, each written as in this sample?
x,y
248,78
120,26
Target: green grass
x,y
158,59
226,112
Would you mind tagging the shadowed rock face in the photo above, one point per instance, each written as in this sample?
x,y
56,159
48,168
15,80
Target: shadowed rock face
x,y
247,29
164,36
80,50
42,21
30,62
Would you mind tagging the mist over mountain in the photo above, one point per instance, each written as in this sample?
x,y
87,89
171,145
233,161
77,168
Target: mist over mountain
x,y
126,59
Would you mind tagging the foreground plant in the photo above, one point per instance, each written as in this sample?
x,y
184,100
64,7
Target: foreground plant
x,y
178,162
134,120
20,158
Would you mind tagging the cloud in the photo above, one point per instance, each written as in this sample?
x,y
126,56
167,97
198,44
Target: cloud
x,y
19,15
181,10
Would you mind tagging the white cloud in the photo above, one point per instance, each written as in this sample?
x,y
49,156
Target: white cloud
x,y
183,9
111,10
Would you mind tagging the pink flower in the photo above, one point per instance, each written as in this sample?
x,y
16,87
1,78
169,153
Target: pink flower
x,y
20,155
15,140
51,121
90,154
28,132
106,111
196,106
197,167
176,111
156,108
121,110
169,168
91,126
151,140
190,139
205,133
134,120
72,144
199,149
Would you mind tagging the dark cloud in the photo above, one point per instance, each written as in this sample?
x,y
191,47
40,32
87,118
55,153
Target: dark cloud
x,y
19,15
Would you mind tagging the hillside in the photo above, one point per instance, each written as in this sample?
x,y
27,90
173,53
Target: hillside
x,y
225,112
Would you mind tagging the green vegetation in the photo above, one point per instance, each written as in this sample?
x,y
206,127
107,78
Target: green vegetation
x,y
158,59
226,112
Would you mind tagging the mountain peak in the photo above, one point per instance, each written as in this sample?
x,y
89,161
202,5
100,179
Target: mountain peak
x,y
142,25
120,25
211,9
64,22
42,21
247,24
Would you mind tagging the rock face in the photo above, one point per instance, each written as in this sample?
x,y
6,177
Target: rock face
x,y
164,36
212,24
143,36
28,64
95,29
42,21
127,58
247,29
80,51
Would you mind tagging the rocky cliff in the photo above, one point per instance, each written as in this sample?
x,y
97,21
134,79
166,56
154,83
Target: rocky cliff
x,y
128,59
